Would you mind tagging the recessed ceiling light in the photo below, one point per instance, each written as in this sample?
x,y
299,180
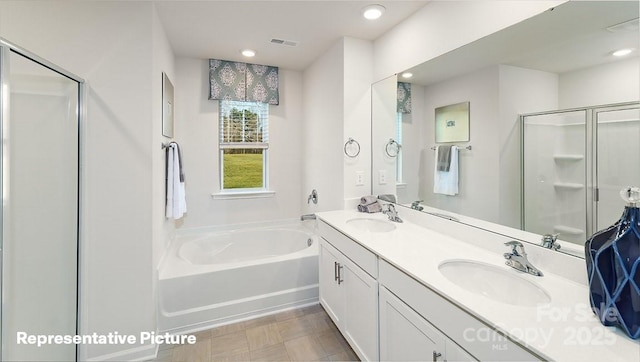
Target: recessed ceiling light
x,y
248,53
373,12
407,75
622,52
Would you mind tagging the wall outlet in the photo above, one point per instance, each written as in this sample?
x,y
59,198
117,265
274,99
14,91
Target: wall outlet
x,y
359,178
382,177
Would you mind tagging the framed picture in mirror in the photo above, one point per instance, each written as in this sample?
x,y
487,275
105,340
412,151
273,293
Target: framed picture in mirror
x,y
167,106
452,123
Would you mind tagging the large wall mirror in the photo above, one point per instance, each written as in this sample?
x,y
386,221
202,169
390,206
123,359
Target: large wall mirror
x,y
558,60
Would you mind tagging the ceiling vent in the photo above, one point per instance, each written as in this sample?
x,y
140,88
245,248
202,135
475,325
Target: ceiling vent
x,y
290,43
627,26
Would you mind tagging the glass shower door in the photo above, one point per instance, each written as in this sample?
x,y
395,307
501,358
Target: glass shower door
x,y
618,159
40,208
555,189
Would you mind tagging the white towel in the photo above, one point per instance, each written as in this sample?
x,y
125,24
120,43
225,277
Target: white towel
x,y
176,200
446,182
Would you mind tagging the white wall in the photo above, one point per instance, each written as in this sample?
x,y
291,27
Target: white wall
x,y
478,168
323,104
441,26
111,45
358,71
196,125
604,84
162,229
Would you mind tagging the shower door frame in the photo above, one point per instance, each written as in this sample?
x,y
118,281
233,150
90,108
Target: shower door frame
x,y
591,157
6,48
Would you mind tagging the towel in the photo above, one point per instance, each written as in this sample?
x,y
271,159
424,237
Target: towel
x,y
388,197
369,204
443,157
176,200
368,200
371,208
446,182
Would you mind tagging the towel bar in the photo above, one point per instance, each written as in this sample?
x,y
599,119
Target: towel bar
x,y
466,148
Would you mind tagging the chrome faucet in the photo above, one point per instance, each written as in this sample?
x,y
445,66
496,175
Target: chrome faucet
x,y
392,213
549,241
517,259
416,205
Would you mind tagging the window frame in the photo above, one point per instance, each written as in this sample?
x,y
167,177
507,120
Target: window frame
x,y
263,114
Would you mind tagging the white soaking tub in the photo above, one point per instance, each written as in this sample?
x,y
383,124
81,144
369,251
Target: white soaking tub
x,y
217,276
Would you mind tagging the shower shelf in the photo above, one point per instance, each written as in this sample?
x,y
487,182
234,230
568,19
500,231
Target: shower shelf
x,y
568,157
568,185
568,230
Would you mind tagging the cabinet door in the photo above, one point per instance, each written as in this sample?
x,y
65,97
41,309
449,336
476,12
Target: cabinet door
x,y
360,320
455,353
331,294
405,335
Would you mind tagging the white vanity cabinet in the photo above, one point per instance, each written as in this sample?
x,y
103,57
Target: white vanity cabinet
x,y
349,290
406,336
422,309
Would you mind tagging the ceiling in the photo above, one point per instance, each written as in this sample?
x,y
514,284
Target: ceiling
x,y
572,36
221,29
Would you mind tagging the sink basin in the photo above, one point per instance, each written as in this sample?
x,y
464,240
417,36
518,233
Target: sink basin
x,y
494,283
372,225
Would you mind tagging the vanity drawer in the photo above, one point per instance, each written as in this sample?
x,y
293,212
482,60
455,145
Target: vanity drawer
x,y
362,257
454,322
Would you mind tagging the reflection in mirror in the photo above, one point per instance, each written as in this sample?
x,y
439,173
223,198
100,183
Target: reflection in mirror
x,y
560,59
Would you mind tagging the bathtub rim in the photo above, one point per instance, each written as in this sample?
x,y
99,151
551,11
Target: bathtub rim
x,y
171,258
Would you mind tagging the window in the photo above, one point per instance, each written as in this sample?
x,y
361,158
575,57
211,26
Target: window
x,y
244,144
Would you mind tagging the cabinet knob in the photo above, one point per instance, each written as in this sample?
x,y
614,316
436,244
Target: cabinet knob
x,y
436,355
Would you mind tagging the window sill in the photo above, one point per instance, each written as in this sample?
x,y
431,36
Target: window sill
x,y
253,194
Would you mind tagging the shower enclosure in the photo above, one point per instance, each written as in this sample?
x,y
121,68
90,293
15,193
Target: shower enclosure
x,y
40,117
575,164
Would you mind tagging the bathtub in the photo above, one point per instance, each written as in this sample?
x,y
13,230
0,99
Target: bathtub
x,y
216,276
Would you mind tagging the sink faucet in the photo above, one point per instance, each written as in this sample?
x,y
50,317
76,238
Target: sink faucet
x,y
392,213
416,205
549,241
517,259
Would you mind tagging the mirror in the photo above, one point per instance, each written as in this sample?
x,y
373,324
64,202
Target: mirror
x,y
167,106
560,59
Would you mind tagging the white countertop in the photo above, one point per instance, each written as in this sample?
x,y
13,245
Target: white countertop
x,y
564,329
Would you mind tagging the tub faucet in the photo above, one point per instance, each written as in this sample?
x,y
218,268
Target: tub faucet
x,y
517,259
549,241
308,217
392,213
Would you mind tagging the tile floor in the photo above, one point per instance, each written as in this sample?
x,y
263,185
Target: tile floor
x,y
305,334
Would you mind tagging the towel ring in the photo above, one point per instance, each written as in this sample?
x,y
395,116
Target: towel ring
x,y
392,148
350,142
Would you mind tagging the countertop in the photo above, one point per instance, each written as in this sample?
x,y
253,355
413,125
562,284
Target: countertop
x,y
564,329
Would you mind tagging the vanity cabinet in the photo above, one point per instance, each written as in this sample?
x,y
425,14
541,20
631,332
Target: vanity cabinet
x,y
349,290
416,309
406,336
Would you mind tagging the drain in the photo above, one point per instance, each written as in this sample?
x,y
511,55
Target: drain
x,y
309,242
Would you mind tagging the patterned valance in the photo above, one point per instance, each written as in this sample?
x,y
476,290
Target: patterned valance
x,y
238,81
404,97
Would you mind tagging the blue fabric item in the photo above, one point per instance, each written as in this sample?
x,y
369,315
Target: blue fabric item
x,y
613,267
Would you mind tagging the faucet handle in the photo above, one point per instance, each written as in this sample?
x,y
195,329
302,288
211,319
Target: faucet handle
x,y
514,244
550,237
